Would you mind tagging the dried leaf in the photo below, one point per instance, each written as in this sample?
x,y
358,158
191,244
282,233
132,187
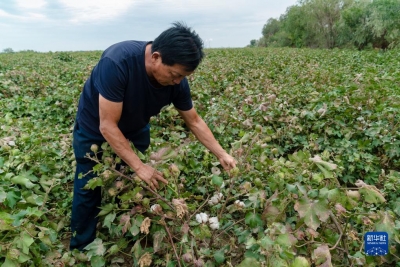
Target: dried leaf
x,y
163,154
371,193
180,206
313,211
330,166
322,256
158,238
125,221
144,227
145,260
340,209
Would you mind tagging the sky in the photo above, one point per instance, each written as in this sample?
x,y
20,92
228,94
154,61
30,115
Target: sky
x,y
81,25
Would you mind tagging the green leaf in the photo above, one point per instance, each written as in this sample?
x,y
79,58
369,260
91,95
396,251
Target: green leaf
x,y
137,250
325,172
130,194
253,219
3,196
97,261
18,217
10,263
5,221
386,224
202,231
109,219
23,257
219,256
106,209
286,240
217,180
96,248
313,211
113,249
247,262
26,242
22,180
134,230
372,195
93,183
300,262
12,198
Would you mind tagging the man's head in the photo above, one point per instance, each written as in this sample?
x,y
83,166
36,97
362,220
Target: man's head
x,y
179,45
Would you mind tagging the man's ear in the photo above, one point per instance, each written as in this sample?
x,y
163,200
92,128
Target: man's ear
x,y
155,56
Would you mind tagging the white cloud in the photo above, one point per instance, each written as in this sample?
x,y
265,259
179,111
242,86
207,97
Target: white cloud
x,y
23,17
31,4
5,14
95,10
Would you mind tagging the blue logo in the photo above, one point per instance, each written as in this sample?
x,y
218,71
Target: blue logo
x,y
376,243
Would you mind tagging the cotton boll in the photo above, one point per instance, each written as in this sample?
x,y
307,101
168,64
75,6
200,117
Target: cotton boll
x,y
201,217
214,224
215,199
156,208
239,204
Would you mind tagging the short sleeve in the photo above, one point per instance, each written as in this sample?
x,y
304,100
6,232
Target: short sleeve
x,y
110,80
183,99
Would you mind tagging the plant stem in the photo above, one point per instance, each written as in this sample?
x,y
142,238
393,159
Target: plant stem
x,y
129,178
171,241
338,227
241,220
199,208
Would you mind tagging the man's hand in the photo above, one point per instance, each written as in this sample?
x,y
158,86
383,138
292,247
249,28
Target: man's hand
x,y
227,162
150,176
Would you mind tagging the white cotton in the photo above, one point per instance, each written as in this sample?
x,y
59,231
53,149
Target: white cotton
x,y
156,208
215,199
11,143
214,224
239,204
201,217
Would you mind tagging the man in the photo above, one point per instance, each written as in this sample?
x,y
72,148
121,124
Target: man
x,y
132,82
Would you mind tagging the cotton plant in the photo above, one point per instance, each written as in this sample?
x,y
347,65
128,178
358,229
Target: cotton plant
x,y
204,218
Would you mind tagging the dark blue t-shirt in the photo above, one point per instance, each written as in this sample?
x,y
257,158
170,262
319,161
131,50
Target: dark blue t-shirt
x,y
120,76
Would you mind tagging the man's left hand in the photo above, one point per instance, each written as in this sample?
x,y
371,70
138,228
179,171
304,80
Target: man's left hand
x,y
227,161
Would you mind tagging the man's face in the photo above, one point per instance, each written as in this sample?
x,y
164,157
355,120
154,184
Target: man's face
x,y
168,75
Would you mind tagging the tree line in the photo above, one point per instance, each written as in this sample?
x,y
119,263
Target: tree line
x,y
335,23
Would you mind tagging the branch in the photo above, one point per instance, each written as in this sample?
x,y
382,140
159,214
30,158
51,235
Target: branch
x,y
338,227
199,208
158,196
171,241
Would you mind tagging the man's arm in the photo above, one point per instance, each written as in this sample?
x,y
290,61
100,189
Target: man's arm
x,y
110,113
205,136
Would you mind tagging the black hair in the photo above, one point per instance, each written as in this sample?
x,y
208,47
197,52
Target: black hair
x,y
179,45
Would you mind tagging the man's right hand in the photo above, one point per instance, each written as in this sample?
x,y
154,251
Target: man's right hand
x,y
151,176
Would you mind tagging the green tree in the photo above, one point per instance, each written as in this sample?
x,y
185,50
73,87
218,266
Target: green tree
x,y
384,22
356,26
8,50
323,17
296,26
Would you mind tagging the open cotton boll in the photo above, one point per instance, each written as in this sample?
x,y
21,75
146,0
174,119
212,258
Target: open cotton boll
x,y
156,208
239,204
201,217
214,223
215,199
